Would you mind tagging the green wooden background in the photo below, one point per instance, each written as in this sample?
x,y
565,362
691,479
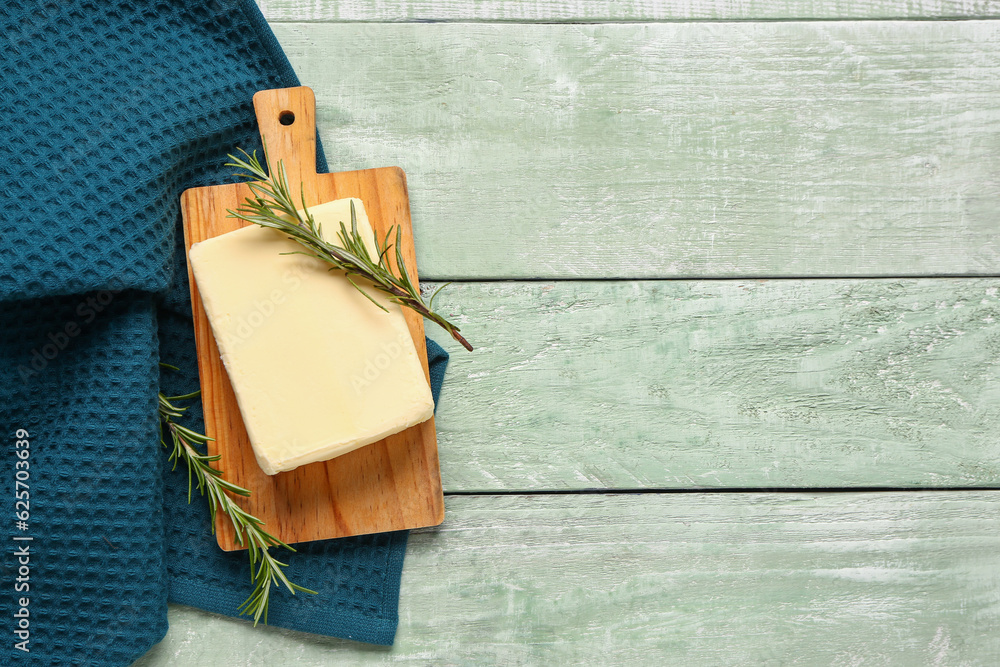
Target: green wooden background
x,y
733,274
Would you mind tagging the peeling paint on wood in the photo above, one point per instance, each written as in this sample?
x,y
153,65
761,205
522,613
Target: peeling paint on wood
x,y
708,579
824,383
674,150
619,10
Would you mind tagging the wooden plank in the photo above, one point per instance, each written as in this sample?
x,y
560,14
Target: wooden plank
x,y
618,10
674,150
391,484
908,578
676,384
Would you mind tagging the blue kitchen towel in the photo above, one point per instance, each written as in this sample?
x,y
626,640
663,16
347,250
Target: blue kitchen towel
x,y
110,109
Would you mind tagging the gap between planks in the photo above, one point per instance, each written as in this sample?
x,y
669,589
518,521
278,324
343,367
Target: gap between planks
x,y
430,285
617,11
606,21
703,490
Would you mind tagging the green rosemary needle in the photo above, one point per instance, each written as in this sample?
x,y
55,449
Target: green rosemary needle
x,y
265,569
273,206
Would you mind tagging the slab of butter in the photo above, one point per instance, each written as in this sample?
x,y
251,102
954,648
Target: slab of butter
x,y
318,370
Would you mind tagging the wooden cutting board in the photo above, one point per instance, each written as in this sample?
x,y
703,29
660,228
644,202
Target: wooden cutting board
x,y
390,485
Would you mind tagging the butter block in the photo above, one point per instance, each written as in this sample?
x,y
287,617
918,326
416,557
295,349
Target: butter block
x,y
317,369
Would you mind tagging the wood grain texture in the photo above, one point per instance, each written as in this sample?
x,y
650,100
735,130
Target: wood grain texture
x,y
674,150
389,485
677,384
617,10
908,578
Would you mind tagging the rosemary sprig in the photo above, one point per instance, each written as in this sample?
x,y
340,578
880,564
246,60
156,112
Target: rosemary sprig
x,y
273,206
265,569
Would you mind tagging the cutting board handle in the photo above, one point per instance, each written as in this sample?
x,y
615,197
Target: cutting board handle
x,y
287,121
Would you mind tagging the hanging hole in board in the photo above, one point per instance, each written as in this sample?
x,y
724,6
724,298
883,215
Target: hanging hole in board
x,y
286,118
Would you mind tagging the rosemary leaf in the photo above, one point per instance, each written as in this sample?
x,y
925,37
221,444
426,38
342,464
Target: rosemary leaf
x,y
265,569
273,206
